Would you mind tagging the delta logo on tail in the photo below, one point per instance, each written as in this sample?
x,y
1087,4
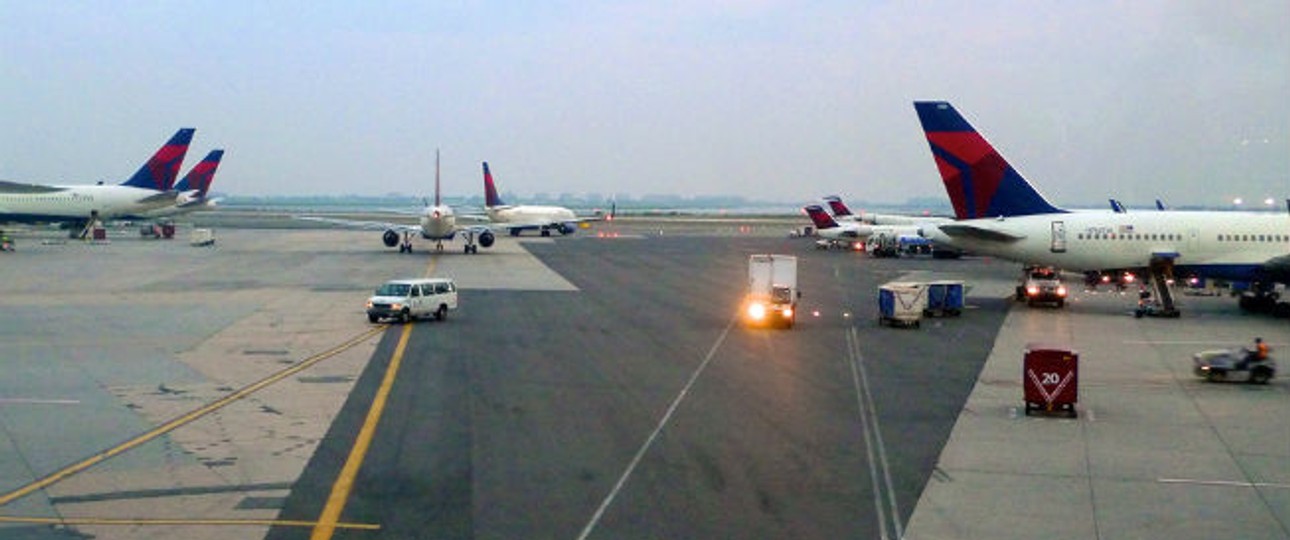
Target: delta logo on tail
x,y
979,181
201,175
490,191
819,217
160,171
839,209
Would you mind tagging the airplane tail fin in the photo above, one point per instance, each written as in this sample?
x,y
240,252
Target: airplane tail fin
x,y
160,171
436,177
979,181
819,217
839,210
201,175
490,191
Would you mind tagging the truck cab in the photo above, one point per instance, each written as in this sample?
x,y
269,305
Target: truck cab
x,y
1041,285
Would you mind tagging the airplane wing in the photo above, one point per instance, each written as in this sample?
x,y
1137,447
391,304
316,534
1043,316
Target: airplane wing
x,y
367,225
977,232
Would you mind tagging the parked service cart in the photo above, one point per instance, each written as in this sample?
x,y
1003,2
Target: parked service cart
x,y
1050,375
201,237
902,303
944,298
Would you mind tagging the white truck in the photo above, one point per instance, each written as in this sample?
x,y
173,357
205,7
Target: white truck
x,y
772,290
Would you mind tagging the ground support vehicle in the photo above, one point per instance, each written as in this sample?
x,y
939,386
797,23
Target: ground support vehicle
x,y
944,298
901,303
772,290
1041,285
409,299
1050,376
1233,365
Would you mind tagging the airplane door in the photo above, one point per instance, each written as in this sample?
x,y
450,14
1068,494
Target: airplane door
x,y
1058,244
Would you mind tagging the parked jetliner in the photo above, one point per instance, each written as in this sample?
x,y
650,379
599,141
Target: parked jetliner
x,y
192,189
516,218
851,234
148,189
884,240
437,223
999,213
843,214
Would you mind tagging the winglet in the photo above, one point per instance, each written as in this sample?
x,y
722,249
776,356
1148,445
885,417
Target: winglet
x,y
490,191
160,171
201,175
819,217
979,181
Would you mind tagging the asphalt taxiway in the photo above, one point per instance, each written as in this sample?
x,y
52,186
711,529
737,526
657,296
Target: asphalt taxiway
x,y
599,388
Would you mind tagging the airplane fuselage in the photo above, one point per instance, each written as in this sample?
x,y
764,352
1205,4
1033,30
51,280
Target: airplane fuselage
x,y
538,216
36,203
1228,245
438,223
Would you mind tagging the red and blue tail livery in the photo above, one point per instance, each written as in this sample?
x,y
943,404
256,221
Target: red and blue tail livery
x,y
819,217
490,191
979,181
840,210
162,169
201,175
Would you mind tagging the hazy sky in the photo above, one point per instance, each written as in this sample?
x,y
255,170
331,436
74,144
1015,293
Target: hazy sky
x,y
1187,101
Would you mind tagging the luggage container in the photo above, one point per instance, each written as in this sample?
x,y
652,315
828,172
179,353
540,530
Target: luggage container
x,y
1050,376
901,303
201,238
944,298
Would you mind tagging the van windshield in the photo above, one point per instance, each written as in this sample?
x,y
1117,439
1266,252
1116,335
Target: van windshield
x,y
393,289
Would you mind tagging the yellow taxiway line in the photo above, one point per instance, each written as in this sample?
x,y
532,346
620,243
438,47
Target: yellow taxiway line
x,y
344,484
180,522
182,420
340,490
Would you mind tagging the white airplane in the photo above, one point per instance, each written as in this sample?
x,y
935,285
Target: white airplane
x,y
842,214
81,205
1000,214
437,223
192,189
517,218
850,235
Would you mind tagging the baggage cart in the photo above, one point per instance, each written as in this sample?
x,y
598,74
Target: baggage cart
x,y
944,298
1050,376
901,303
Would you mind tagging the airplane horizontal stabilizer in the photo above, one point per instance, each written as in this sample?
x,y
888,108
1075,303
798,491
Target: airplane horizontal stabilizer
x,y
978,233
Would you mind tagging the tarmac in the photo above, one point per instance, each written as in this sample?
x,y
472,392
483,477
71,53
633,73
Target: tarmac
x,y
102,341
1155,452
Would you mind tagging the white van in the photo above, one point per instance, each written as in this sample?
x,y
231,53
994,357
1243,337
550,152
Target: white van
x,y
408,299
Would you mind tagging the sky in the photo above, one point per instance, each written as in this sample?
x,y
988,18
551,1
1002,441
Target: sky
x,y
1187,101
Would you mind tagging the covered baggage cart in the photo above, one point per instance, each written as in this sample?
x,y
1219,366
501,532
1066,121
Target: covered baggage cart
x,y
901,303
944,298
1050,376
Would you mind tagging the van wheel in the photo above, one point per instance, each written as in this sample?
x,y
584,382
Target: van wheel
x,y
406,316
441,313
373,318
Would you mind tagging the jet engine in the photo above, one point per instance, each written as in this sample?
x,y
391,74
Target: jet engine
x,y
390,238
564,228
486,239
